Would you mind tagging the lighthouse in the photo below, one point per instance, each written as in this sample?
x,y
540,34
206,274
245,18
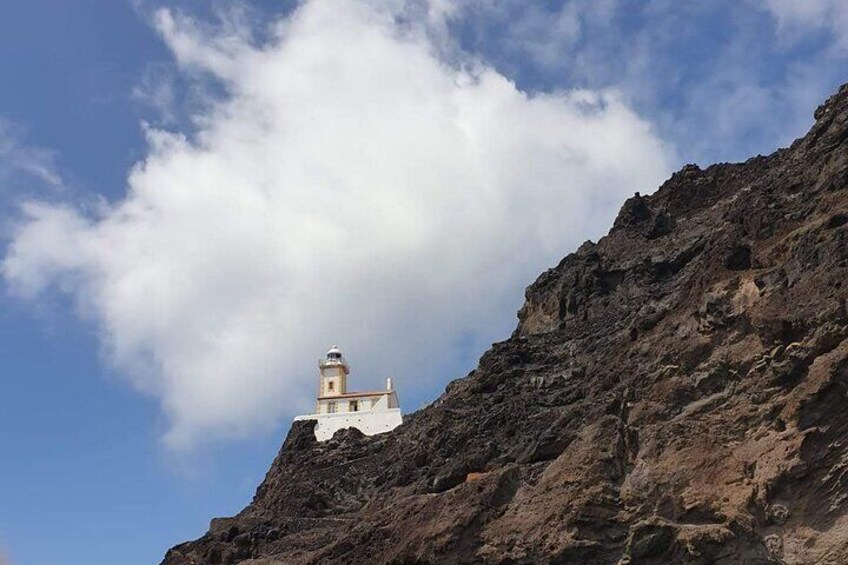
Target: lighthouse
x,y
371,413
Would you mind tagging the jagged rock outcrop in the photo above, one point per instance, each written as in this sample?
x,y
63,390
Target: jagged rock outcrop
x,y
675,393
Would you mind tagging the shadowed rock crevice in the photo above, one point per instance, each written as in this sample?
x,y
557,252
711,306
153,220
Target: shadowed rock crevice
x,y
674,393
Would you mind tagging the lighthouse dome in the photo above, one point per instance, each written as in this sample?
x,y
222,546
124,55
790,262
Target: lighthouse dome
x,y
334,358
334,353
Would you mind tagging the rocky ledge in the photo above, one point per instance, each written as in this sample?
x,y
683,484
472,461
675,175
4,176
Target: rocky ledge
x,y
675,393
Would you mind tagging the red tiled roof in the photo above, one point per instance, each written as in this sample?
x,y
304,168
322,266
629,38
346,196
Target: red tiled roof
x,y
356,394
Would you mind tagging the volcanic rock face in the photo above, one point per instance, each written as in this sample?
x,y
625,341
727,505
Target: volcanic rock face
x,y
675,393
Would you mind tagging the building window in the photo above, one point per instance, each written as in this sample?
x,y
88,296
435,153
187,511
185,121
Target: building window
x,y
354,406
331,386
331,408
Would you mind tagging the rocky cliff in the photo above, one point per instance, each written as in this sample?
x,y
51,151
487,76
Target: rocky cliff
x,y
675,393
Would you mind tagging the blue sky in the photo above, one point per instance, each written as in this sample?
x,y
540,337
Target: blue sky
x,y
197,201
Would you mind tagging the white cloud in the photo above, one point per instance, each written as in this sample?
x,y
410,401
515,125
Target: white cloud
x,y
18,158
798,17
158,91
352,187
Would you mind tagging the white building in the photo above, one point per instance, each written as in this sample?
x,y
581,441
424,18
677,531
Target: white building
x,y
369,412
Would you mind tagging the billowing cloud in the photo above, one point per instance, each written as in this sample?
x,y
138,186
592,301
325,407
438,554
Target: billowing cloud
x,y
354,184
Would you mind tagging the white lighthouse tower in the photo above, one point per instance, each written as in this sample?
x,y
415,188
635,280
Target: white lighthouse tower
x,y
370,412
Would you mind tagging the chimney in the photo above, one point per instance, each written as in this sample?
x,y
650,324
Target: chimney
x,y
389,383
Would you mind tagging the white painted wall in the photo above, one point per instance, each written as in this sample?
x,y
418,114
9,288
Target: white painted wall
x,y
366,403
369,423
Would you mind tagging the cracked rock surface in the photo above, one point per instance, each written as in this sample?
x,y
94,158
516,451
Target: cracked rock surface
x,y
675,393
